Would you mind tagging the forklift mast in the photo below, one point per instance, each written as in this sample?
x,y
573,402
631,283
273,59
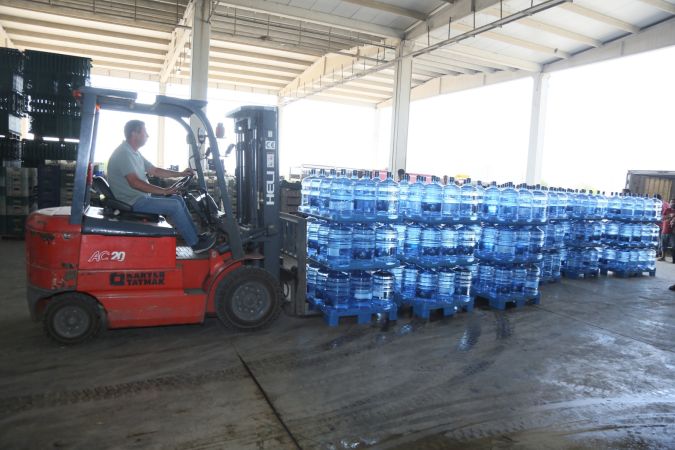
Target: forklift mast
x,y
257,175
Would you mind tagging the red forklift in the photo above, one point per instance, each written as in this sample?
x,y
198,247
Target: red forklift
x,y
98,264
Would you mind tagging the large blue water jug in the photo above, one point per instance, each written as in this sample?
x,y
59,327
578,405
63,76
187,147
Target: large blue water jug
x,y
342,196
415,196
306,191
446,284
451,200
468,206
322,233
403,193
508,205
398,278
325,189
503,276
518,281
627,207
432,199
312,271
387,198
486,275
525,201
339,245
552,200
427,284
505,244
313,238
467,240
338,288
463,293
614,206
383,289
361,288
409,285
521,243
413,235
386,243
490,203
449,242
486,243
532,281
363,244
539,205
364,197
315,192
430,245
320,287
400,233
536,243
639,210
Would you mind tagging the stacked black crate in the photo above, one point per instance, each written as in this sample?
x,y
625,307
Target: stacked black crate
x,y
12,109
20,199
67,181
50,80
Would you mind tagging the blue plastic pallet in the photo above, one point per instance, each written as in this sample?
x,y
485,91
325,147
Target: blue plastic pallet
x,y
423,308
363,315
628,273
500,302
575,274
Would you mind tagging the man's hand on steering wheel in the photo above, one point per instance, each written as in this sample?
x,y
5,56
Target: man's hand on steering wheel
x,y
188,172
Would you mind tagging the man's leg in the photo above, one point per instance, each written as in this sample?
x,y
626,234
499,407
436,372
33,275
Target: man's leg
x,y
174,207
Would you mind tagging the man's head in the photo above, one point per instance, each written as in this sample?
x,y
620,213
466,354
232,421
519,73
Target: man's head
x,y
401,173
658,196
672,202
135,133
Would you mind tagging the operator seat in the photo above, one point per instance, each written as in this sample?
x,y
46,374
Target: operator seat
x,y
114,208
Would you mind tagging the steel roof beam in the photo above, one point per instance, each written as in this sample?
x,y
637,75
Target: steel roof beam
x,y
90,53
599,17
5,39
386,7
179,39
447,14
543,26
306,15
661,4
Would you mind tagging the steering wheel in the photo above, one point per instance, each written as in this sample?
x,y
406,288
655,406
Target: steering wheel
x,y
183,183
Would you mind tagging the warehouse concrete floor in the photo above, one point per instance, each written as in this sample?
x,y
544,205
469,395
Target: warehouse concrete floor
x,y
592,367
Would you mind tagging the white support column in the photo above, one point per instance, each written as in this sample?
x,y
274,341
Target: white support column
x,y
401,108
199,60
537,125
161,138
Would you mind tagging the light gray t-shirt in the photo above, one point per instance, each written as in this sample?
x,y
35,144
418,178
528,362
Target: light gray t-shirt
x,y
123,161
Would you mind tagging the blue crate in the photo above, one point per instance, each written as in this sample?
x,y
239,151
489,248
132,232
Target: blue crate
x,y
363,314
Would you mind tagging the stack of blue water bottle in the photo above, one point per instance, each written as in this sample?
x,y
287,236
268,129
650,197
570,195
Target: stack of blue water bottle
x,y
351,246
554,235
511,244
630,236
438,234
583,241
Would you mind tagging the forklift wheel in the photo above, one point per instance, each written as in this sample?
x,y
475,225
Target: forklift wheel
x,y
248,299
72,318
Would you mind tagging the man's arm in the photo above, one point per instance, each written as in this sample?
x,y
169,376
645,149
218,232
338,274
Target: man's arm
x,y
165,173
142,186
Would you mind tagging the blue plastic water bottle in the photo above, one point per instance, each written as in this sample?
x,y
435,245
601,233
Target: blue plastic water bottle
x,y
322,250
430,245
409,285
468,206
432,200
306,191
415,195
451,200
427,284
449,243
363,244
467,240
508,205
411,247
338,289
387,198
525,201
539,205
505,247
324,193
446,284
320,288
536,244
532,281
486,243
521,243
364,197
361,288
339,246
403,193
315,192
313,238
463,292
383,289
503,276
312,271
342,196
518,281
486,278
491,203
386,243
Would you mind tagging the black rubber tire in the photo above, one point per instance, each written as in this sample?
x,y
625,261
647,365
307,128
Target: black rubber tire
x,y
266,292
81,307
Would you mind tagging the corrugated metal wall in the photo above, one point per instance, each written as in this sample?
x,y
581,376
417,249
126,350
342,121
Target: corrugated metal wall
x,y
650,185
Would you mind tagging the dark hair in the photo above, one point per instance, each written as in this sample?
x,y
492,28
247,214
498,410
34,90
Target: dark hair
x,y
131,126
659,196
401,172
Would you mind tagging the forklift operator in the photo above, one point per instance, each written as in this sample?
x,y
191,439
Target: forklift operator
x,y
127,176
